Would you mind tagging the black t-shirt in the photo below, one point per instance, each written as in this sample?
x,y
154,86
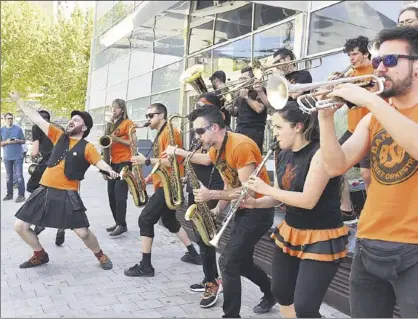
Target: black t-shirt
x,y
203,173
247,117
45,144
227,120
299,77
292,169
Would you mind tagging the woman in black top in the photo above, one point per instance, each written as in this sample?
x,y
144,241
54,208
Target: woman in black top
x,y
312,240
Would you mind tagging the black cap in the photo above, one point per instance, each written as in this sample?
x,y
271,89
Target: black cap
x,y
211,98
218,75
88,121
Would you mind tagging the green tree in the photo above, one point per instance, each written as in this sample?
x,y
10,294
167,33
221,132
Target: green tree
x,y
44,55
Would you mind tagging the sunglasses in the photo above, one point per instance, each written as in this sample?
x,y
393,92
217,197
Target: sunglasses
x,y
201,130
390,60
9,118
150,115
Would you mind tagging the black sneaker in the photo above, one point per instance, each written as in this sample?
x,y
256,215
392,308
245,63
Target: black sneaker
x,y
211,295
119,230
38,230
139,270
110,229
349,217
8,197
59,240
188,258
265,305
199,287
20,199
105,262
35,261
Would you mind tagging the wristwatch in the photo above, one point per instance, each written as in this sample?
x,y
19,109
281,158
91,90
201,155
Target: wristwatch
x,y
148,161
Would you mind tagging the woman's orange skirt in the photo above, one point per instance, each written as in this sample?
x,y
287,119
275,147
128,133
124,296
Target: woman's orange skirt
x,y
314,244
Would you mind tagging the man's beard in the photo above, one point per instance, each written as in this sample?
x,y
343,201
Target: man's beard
x,y
73,131
399,87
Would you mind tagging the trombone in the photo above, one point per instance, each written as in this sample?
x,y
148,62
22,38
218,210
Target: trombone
x,y
278,89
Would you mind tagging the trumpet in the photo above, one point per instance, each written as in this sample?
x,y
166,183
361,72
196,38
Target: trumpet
x,y
216,239
279,88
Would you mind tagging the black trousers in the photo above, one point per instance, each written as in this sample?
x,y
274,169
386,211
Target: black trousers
x,y
207,253
301,282
117,190
155,209
255,133
250,225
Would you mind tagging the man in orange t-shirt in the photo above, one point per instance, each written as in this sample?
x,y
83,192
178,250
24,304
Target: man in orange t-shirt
x,y
360,62
384,269
156,206
120,156
235,156
56,203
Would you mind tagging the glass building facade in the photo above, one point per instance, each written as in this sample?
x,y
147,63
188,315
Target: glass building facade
x,y
141,48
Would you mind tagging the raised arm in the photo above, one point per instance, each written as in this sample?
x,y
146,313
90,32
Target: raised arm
x,y
33,115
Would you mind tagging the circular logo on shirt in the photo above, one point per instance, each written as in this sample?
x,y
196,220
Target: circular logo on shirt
x,y
390,163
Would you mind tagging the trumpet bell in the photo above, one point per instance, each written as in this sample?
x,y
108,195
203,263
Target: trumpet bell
x,y
373,47
277,91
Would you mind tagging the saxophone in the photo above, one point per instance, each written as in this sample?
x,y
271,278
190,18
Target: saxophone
x,y
105,140
199,213
138,188
172,184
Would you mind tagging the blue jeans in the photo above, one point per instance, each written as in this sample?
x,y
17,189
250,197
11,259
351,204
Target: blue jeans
x,y
15,167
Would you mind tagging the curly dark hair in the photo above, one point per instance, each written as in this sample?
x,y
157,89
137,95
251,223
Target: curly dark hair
x,y
359,43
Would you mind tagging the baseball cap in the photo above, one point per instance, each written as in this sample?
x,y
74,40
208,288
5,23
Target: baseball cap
x,y
218,75
210,98
88,121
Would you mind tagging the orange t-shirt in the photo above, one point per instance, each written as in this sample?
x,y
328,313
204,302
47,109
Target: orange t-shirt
x,y
391,209
356,114
54,176
162,143
240,151
121,153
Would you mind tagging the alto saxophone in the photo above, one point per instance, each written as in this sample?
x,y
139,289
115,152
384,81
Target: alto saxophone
x,y
138,189
199,213
172,185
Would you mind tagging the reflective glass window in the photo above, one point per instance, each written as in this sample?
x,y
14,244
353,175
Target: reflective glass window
x,y
141,61
170,99
201,34
268,41
117,91
103,7
332,26
168,50
118,70
265,14
204,58
167,78
233,56
104,23
137,109
233,23
121,8
139,86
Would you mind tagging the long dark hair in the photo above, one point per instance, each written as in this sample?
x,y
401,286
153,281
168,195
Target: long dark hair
x,y
122,104
292,114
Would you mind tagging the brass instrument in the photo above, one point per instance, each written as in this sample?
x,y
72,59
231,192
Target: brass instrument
x,y
215,240
138,189
199,213
173,187
105,141
35,162
373,47
193,76
279,88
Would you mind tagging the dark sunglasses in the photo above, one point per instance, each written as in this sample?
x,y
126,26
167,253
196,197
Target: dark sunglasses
x,y
150,115
201,130
390,60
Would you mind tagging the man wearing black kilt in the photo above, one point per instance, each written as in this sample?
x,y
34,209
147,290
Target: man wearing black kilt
x,y
56,203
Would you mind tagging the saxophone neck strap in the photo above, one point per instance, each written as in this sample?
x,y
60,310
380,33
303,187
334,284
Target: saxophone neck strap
x,y
221,151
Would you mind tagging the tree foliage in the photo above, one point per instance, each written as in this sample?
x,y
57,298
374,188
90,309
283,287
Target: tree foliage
x,y
43,55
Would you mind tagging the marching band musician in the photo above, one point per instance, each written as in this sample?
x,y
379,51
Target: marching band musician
x,y
120,156
250,111
236,157
360,62
312,240
218,80
57,203
156,206
409,16
384,270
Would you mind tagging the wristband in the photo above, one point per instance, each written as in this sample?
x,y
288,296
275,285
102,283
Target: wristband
x,y
148,161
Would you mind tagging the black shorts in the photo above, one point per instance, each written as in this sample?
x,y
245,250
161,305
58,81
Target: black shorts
x,y
365,162
54,208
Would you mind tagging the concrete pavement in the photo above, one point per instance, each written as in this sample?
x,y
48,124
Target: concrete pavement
x,y
72,284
